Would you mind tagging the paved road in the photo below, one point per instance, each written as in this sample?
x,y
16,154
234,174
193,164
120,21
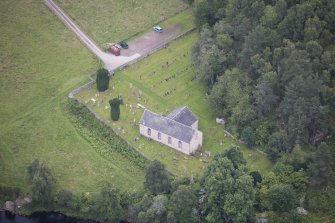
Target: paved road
x,y
111,62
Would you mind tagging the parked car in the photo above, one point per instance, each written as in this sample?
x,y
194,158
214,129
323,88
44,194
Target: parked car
x,y
114,50
118,46
158,29
123,45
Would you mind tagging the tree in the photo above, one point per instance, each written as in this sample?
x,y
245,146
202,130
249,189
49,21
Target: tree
x,y
157,179
320,168
106,206
153,210
234,154
115,108
282,198
265,98
64,198
230,191
248,136
42,183
182,201
257,177
277,144
102,80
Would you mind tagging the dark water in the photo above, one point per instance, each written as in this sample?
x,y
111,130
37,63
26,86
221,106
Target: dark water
x,y
40,217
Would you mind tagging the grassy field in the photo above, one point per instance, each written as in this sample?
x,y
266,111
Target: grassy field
x,y
109,21
40,63
166,81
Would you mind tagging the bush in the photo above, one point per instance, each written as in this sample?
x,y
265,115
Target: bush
x,y
115,108
9,193
64,198
102,80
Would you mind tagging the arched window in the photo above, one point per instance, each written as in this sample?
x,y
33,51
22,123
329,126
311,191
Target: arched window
x,y
169,140
149,131
180,145
159,136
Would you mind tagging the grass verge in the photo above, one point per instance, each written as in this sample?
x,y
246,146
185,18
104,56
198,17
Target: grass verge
x,y
40,62
109,21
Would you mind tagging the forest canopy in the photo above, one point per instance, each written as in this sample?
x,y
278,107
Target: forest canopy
x,y
269,68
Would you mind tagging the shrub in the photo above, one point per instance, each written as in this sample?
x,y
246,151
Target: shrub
x,y
115,108
102,80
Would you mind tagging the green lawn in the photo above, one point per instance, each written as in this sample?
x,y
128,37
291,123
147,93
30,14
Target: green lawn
x,y
168,70
109,21
41,61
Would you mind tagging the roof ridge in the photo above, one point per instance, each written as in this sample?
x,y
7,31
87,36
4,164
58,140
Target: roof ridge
x,y
181,109
178,122
170,119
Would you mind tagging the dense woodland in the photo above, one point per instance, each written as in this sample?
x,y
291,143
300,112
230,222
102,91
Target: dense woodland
x,y
270,68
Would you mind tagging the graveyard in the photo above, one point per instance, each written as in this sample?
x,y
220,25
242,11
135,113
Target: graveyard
x,y
162,82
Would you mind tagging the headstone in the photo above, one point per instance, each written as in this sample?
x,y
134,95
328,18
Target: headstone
x,y
207,153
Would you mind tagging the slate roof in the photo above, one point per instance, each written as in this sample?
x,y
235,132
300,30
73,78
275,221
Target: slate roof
x,y
183,115
167,126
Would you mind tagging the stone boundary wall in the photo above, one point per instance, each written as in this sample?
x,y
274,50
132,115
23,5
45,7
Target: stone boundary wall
x,y
242,142
160,21
156,49
73,93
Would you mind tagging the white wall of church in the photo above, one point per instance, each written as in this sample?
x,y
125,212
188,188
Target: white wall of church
x,y
186,148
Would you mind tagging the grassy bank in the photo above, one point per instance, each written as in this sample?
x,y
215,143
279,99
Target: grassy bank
x,y
166,81
109,21
40,62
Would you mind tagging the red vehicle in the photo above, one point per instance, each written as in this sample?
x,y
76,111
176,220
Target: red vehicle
x,y
114,50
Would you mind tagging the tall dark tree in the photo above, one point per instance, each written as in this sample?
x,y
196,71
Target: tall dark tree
x,y
157,178
102,79
115,108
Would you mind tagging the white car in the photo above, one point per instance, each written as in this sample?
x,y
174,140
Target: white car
x,y
118,46
158,29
